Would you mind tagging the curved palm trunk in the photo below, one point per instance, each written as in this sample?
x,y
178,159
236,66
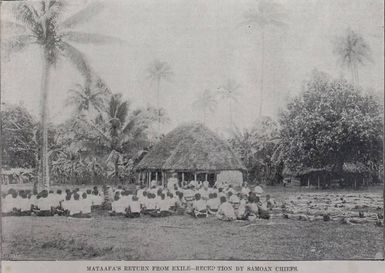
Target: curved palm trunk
x,y
262,72
158,103
231,114
204,115
44,121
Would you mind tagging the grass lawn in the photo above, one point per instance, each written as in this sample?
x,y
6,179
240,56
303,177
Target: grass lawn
x,y
182,237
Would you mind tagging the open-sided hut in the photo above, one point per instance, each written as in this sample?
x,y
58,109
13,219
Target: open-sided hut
x,y
355,174
193,152
319,177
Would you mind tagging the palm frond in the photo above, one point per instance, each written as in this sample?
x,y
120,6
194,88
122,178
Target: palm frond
x,y
15,44
77,58
83,16
158,70
25,13
11,27
90,38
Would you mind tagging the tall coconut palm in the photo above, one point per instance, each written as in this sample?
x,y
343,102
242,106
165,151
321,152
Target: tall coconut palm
x,y
158,71
41,24
229,92
205,102
267,15
352,51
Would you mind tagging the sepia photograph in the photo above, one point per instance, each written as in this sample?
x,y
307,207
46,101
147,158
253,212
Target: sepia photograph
x,y
216,130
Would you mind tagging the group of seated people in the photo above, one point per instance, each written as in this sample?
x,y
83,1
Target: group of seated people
x,y
196,199
48,203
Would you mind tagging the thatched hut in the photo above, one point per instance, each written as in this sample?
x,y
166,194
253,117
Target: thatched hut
x,y
355,174
193,152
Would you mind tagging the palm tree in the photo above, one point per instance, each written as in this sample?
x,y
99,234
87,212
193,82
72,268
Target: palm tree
x,y
352,51
206,102
116,131
158,71
88,98
268,14
229,92
40,23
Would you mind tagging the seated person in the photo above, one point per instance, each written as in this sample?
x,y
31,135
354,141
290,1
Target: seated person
x,y
241,211
245,189
25,205
251,210
133,211
263,212
66,205
213,203
269,203
234,200
164,206
221,193
117,206
204,191
199,207
150,204
44,206
9,203
180,203
172,200
225,211
86,204
78,207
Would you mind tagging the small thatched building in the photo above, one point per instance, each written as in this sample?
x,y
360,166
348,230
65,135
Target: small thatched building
x,y
193,152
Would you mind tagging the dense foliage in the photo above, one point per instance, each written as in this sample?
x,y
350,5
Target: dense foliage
x,y
331,123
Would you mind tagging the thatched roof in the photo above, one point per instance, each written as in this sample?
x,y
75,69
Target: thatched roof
x,y
191,147
357,167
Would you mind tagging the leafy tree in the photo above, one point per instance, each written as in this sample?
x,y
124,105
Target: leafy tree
x,y
18,137
206,102
41,23
352,51
158,71
256,147
267,15
330,123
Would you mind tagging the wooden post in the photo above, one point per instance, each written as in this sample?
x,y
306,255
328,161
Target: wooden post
x,y
318,182
308,182
205,176
355,183
156,177
195,176
162,179
182,178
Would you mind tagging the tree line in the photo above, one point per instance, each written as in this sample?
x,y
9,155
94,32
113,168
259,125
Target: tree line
x,y
106,136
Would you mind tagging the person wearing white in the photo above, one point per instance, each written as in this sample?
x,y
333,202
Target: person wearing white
x,y
225,211
199,207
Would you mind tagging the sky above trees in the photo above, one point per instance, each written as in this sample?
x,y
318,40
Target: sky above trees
x,y
205,45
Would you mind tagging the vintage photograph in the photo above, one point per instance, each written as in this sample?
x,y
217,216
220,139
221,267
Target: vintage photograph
x,y
147,130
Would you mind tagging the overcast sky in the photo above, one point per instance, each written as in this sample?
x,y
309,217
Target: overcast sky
x,y
202,41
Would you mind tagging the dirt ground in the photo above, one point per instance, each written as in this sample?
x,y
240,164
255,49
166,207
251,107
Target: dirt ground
x,y
181,237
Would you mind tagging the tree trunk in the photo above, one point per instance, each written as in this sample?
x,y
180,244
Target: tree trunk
x,y
158,103
44,120
204,116
262,72
231,114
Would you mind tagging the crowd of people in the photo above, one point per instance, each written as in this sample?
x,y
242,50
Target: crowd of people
x,y
74,203
194,198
